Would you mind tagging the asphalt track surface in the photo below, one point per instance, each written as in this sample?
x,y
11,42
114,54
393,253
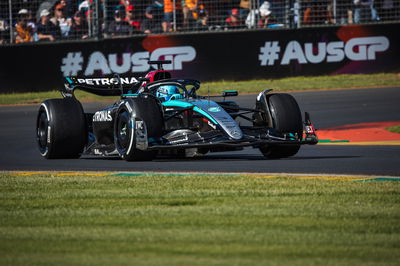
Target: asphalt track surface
x,y
327,108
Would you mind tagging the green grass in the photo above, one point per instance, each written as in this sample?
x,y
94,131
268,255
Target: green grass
x,y
197,220
38,97
307,83
394,129
252,86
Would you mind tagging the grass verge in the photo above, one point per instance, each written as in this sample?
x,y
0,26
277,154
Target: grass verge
x,y
252,86
196,220
394,129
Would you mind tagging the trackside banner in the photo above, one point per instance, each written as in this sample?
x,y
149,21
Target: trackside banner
x,y
206,56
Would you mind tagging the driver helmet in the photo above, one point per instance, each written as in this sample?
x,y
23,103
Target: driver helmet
x,y
168,92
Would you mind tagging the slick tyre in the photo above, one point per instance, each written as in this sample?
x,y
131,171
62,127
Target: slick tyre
x,y
61,129
286,118
147,112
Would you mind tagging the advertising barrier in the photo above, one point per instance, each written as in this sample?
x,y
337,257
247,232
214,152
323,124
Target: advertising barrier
x,y
206,56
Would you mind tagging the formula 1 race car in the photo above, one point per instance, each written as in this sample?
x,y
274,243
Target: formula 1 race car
x,y
157,116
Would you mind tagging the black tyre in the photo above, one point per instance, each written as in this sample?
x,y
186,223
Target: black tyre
x,y
141,109
61,128
286,118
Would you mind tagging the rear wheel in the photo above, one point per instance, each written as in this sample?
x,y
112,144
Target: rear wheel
x,y
137,121
286,118
61,128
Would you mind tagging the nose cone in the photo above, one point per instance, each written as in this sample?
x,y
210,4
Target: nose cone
x,y
224,120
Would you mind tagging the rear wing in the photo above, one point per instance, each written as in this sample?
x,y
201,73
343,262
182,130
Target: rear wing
x,y
115,86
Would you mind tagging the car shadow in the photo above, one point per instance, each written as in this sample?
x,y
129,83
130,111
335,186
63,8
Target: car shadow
x,y
250,158
231,157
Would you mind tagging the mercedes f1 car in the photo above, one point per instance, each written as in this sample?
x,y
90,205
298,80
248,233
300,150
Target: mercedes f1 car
x,y
157,116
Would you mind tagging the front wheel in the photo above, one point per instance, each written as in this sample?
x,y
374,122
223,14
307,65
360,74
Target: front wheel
x,y
137,121
286,118
126,138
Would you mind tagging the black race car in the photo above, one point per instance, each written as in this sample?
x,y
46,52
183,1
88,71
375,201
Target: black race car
x,y
160,116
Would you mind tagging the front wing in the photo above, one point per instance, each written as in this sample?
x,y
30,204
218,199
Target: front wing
x,y
252,137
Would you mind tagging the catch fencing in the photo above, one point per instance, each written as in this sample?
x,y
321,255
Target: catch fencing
x,y
28,21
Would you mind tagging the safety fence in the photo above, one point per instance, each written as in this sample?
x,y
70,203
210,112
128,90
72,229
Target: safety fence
x,y
232,55
53,20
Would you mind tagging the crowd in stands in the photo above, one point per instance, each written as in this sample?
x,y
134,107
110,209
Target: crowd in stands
x,y
69,19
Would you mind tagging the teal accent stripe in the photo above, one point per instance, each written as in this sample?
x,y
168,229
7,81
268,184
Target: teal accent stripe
x,y
174,103
128,174
395,179
331,141
197,109
69,80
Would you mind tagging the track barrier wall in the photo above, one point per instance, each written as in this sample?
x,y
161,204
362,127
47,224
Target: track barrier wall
x,y
241,55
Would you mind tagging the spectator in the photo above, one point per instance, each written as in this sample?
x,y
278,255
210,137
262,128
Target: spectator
x,y
171,20
60,20
32,24
63,3
316,12
46,30
69,7
119,27
245,7
364,11
389,9
24,32
4,31
254,13
84,6
185,13
194,7
168,16
80,27
197,13
265,16
130,18
342,12
233,21
125,3
151,22
294,23
202,21
329,15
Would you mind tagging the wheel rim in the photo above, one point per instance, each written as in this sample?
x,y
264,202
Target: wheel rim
x,y
123,131
42,128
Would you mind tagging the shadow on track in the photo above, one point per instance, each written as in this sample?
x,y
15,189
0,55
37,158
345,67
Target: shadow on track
x,y
238,157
